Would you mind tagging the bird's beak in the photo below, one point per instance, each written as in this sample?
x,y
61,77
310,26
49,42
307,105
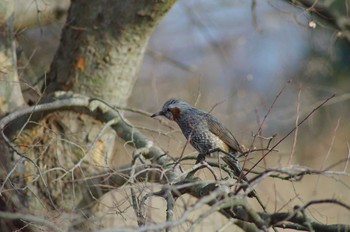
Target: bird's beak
x,y
156,114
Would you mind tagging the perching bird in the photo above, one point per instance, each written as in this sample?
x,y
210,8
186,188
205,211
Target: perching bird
x,y
205,133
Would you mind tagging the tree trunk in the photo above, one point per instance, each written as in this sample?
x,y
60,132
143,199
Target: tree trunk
x,y
110,40
101,49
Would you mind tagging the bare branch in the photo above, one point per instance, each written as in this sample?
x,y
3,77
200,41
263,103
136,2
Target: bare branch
x,y
30,218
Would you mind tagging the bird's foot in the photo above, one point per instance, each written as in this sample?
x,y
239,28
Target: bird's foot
x,y
200,158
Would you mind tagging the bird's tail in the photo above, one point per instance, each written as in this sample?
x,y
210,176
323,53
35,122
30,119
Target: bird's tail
x,y
234,165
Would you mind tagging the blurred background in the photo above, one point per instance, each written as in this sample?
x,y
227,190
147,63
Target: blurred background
x,y
243,61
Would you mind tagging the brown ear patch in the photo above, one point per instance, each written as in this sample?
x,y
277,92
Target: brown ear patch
x,y
175,112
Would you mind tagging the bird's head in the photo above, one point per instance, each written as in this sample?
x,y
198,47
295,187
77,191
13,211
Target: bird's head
x,y
172,109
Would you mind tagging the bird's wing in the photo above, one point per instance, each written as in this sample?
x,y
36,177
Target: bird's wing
x,y
222,132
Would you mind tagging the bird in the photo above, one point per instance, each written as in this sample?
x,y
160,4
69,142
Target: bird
x,y
205,133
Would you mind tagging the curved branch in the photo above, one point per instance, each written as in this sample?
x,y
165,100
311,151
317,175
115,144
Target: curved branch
x,y
98,110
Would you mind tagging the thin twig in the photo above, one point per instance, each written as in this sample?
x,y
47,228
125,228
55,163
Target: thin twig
x,y
259,131
290,132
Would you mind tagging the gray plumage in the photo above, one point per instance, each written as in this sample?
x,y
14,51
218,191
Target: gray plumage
x,y
204,132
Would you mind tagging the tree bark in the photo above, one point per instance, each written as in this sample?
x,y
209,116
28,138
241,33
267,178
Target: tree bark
x,y
41,13
109,42
10,91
